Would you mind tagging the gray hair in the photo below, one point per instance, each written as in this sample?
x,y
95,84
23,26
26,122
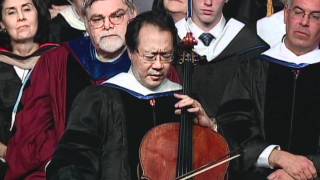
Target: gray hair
x,y
287,3
88,3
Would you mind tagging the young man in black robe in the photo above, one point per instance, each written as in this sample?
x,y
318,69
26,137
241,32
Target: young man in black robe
x,y
271,108
224,42
107,123
57,79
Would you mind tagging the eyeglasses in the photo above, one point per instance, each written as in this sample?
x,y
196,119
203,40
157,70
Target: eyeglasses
x,y
298,12
115,18
151,57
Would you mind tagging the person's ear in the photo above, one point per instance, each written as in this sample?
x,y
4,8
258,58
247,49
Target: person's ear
x,y
2,27
133,13
130,54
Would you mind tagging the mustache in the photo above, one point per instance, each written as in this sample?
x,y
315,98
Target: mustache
x,y
109,35
155,73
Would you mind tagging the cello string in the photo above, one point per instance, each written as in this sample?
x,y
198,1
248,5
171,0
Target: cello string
x,y
188,120
187,70
182,128
186,124
185,121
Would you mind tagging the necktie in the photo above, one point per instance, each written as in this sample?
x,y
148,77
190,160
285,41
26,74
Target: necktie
x,y
206,38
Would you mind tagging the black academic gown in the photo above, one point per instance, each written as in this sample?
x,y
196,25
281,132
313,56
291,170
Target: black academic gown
x,y
249,10
61,31
210,78
106,126
271,102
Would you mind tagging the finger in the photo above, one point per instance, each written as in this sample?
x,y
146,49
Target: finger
x,y
308,168
272,176
182,96
296,174
177,111
308,172
300,175
313,170
193,110
184,103
179,96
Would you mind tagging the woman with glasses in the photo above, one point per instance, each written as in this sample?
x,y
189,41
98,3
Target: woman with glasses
x,y
24,35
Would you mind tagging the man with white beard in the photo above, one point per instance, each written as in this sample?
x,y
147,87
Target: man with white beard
x,y
57,79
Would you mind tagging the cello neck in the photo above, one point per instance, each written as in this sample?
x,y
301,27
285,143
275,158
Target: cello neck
x,y
185,159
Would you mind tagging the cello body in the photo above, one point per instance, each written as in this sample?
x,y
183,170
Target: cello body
x,y
160,147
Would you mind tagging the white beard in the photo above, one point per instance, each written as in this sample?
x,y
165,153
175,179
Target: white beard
x,y
110,45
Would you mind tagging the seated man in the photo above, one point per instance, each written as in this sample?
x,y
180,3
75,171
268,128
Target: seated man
x,y
271,108
107,123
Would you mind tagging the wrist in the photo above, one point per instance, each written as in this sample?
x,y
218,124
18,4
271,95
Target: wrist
x,y
275,158
213,124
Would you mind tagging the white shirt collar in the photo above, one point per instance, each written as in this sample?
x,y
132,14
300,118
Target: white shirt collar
x,y
216,31
272,28
128,81
183,25
224,33
72,18
281,52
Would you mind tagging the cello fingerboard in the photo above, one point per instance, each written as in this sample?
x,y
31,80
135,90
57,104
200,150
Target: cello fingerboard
x,y
185,158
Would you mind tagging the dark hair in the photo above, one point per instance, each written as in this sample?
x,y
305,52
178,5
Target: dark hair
x,y
43,23
158,6
159,19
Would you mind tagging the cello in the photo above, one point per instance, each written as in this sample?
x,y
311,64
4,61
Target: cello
x,y
174,150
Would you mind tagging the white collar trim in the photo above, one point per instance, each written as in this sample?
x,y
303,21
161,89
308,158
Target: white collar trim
x,y
73,18
128,81
281,52
228,33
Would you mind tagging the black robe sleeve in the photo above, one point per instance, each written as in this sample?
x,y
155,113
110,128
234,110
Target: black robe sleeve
x,y
240,116
94,145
